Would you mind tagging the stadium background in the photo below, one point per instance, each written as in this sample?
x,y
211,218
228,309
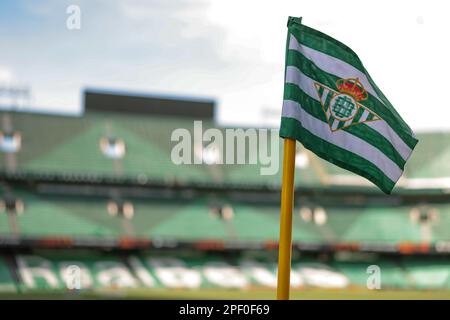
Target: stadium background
x,y
99,191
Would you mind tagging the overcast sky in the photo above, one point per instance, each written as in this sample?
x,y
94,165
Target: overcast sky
x,y
232,51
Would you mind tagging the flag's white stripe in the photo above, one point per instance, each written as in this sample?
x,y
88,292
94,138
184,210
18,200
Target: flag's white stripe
x,y
382,128
348,122
295,76
343,139
364,116
332,65
335,124
325,95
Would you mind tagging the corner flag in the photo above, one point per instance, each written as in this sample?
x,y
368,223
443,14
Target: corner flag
x,y
332,106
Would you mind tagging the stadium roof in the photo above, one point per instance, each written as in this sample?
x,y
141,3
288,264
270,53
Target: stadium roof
x,y
113,101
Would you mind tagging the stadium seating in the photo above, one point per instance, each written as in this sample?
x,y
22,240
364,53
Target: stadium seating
x,y
7,284
59,176
195,219
427,273
69,146
54,270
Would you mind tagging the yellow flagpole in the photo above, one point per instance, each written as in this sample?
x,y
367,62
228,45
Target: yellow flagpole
x,y
287,201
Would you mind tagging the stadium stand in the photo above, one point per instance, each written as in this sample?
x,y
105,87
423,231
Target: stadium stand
x,y
103,185
69,215
7,284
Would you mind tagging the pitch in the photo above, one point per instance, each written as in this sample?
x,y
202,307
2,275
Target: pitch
x,y
223,294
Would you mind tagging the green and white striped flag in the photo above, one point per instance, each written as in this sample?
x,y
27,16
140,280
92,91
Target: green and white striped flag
x,y
333,107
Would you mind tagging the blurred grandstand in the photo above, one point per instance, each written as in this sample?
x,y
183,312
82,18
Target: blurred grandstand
x,y
100,192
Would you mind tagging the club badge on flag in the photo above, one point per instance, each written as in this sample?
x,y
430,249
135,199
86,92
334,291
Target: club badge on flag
x,y
334,108
343,108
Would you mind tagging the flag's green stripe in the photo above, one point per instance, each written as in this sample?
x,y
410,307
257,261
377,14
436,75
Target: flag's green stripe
x,y
378,141
328,99
326,44
307,67
332,120
314,108
358,115
389,105
291,128
332,47
320,91
341,124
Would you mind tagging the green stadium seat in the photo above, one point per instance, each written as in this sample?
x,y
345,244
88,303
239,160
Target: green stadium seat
x,y
7,283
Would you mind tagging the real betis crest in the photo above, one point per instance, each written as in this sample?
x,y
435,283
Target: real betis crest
x,y
342,109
